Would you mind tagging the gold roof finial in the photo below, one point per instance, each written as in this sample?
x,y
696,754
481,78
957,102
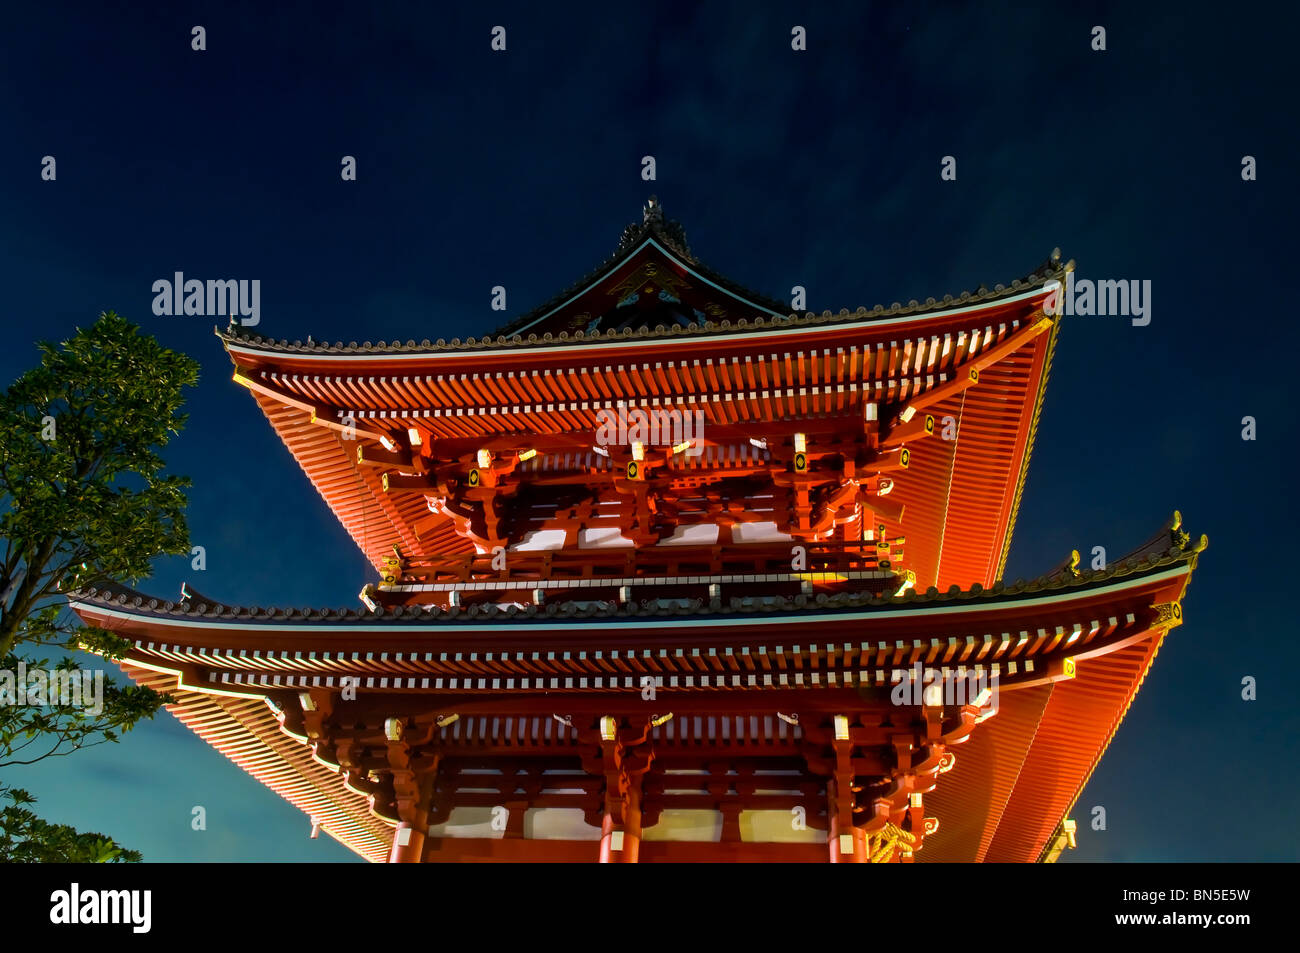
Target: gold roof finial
x,y
1176,533
652,213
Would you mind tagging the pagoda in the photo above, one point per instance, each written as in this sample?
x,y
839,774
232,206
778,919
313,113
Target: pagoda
x,y
667,573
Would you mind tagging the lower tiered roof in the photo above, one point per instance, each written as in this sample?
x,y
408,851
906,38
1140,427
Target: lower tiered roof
x,y
746,681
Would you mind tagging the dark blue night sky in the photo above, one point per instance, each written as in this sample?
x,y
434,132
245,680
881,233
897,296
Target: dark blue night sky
x,y
817,168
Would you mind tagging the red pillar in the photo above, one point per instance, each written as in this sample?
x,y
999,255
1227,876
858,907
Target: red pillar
x,y
412,789
606,839
859,853
841,826
408,845
632,825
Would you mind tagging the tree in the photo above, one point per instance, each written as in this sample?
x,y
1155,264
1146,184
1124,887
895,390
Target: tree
x,y
25,838
84,501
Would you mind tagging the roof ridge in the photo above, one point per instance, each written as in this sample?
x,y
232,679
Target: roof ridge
x,y
672,235
235,334
1143,561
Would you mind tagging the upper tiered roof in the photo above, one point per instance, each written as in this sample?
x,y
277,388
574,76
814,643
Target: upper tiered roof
x,y
687,298
650,283
660,330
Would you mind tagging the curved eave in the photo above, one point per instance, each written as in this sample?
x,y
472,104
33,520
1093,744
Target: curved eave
x,y
1158,561
376,521
1078,722
246,731
1025,445
250,345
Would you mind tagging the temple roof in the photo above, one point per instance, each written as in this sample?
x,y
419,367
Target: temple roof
x,y
960,495
1067,684
685,298
659,248
1170,547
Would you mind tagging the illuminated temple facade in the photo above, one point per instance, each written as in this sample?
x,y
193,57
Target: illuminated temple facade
x,y
667,573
